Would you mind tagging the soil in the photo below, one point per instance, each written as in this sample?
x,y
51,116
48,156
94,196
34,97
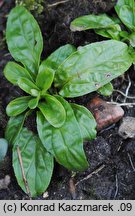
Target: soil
x,y
112,159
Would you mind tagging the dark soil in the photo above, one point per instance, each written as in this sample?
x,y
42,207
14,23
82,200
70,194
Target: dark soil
x,y
111,174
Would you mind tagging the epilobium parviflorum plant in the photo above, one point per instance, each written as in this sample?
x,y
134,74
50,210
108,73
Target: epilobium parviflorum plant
x,y
61,126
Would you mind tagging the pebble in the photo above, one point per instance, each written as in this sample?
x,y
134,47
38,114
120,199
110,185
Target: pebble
x,y
104,113
4,183
127,127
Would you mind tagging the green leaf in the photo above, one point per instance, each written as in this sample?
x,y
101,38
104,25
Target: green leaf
x,y
33,103
132,39
45,77
132,53
127,17
18,106
113,33
13,72
125,10
86,121
124,35
92,67
14,127
92,22
3,148
106,90
102,24
37,163
65,143
24,38
28,86
58,56
120,3
53,111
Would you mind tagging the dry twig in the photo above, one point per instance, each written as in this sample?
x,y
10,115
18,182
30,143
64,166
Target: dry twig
x,y
57,3
72,188
91,174
122,104
117,188
126,96
23,173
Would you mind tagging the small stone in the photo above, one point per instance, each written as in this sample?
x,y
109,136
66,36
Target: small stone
x,y
104,113
45,195
127,128
4,183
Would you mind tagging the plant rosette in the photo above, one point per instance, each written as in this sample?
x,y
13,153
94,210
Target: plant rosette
x,y
66,73
119,27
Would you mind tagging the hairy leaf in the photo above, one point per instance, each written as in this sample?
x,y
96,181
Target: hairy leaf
x,y
45,77
65,143
106,90
37,163
53,111
24,38
3,148
92,67
17,106
58,56
86,121
13,72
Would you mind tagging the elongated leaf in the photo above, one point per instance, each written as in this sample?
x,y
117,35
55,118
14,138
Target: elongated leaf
x,y
64,143
45,77
58,56
18,106
3,148
13,128
28,86
86,121
53,111
106,90
13,72
92,22
127,17
37,163
125,10
102,24
24,38
92,67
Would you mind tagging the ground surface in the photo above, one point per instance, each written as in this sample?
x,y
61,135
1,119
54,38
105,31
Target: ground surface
x,y
112,159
